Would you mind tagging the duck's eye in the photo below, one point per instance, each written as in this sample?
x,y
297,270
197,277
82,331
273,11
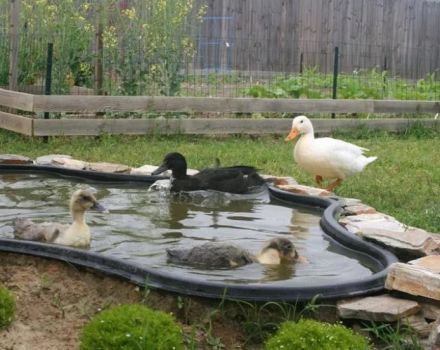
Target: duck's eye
x,y
86,198
302,121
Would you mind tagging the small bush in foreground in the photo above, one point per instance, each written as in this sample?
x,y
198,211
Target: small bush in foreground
x,y
7,307
314,335
131,327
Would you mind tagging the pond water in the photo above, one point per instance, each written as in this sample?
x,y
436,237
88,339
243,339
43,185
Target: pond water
x,y
143,223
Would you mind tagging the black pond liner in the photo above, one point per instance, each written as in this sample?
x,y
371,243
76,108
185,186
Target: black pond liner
x,y
145,276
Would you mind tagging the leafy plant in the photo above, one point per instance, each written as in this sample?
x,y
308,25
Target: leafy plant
x,y
314,335
7,307
131,327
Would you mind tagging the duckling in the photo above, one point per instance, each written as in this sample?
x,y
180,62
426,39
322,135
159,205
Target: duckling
x,y
235,179
76,234
326,157
216,255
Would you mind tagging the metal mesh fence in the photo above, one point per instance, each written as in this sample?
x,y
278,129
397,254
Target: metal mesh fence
x,y
133,48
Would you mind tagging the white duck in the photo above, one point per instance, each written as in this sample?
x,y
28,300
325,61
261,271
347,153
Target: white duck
x,y
326,157
76,234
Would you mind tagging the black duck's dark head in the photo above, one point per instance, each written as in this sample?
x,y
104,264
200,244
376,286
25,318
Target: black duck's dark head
x,y
175,162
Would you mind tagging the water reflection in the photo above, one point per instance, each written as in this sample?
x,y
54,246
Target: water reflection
x,y
143,223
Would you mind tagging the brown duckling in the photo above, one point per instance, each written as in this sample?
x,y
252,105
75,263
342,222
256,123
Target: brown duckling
x,y
77,234
218,255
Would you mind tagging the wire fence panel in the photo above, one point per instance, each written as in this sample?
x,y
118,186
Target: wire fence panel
x,y
228,48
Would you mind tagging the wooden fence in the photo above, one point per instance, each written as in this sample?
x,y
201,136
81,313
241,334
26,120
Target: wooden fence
x,y
262,35
32,126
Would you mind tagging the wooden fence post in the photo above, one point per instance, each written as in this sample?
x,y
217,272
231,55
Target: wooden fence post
x,y
14,38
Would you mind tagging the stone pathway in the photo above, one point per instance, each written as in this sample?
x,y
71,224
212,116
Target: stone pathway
x,y
413,283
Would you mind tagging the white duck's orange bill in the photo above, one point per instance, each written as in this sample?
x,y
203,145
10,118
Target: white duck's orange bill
x,y
293,133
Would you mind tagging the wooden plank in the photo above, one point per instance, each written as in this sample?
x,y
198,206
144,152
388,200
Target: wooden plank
x,y
395,106
18,100
14,39
58,127
87,127
86,104
17,123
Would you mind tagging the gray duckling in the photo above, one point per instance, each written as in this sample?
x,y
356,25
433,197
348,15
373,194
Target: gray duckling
x,y
218,255
77,234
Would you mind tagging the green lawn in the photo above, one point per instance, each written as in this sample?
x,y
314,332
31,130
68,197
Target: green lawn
x,y
404,182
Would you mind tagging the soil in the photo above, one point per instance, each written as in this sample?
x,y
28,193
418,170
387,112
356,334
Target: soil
x,y
56,299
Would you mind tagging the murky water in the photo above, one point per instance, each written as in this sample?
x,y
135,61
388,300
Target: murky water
x,y
142,223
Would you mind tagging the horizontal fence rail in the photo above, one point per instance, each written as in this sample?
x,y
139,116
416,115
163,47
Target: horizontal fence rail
x,y
87,104
34,126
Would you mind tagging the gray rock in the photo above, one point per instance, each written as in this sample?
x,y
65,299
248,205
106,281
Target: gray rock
x,y
413,280
49,159
382,308
14,159
407,242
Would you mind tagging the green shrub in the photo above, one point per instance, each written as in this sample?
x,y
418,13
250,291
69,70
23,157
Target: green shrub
x,y
129,327
7,307
314,335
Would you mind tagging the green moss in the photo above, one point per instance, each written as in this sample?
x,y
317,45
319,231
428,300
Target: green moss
x,y
314,335
129,327
7,307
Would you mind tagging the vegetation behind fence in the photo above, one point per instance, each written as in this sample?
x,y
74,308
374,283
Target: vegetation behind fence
x,y
387,49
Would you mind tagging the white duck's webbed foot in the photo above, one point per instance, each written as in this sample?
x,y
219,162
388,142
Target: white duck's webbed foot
x,y
333,185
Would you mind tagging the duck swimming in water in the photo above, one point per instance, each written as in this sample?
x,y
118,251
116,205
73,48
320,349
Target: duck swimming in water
x,y
76,234
217,255
326,157
235,179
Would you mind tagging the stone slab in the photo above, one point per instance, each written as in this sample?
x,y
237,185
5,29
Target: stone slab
x,y
430,263
109,167
413,280
15,159
419,324
434,337
382,308
358,209
48,159
430,311
407,242
305,190
69,163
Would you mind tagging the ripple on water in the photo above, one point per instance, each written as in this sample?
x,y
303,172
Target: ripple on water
x,y
142,223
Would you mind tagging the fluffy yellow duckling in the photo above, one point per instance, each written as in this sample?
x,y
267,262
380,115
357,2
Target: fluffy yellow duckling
x,y
217,255
77,234
326,157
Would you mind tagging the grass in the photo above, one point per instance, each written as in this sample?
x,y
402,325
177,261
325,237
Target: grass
x,y
404,182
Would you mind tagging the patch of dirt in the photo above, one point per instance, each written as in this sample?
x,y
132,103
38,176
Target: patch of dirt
x,y
55,300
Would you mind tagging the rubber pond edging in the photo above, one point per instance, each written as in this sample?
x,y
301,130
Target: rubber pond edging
x,y
145,276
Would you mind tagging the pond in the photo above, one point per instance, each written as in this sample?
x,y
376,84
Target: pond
x,y
143,223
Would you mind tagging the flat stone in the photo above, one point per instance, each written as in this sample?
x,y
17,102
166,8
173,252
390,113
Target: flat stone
x,y
147,169
109,167
413,280
419,324
430,263
306,190
407,242
430,311
434,337
345,201
382,308
15,159
49,158
280,180
358,209
69,163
